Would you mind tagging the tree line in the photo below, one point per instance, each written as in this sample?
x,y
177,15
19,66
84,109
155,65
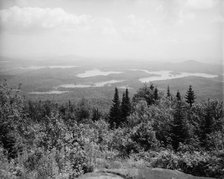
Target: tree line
x,y
119,111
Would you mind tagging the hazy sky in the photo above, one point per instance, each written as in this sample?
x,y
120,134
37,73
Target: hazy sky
x,y
146,29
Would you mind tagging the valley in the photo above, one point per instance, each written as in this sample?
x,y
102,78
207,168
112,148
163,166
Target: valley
x,y
87,78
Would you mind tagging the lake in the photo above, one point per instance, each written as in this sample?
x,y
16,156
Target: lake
x,y
96,72
97,84
48,92
168,75
50,67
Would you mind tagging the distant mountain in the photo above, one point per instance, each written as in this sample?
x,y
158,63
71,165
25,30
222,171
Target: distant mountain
x,y
194,67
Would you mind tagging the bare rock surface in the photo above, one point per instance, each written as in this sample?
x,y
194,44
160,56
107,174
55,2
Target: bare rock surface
x,y
102,175
134,173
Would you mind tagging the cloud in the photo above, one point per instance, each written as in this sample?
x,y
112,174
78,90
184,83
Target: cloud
x,y
185,16
26,18
103,25
34,19
202,4
218,19
137,28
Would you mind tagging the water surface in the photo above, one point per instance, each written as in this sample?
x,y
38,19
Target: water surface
x,y
97,84
96,72
168,75
48,92
50,67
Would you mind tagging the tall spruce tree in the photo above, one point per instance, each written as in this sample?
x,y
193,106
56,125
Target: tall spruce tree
x,y
115,112
178,96
156,95
168,92
190,96
179,129
125,106
211,122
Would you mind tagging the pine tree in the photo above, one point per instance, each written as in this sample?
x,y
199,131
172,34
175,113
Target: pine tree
x,y
115,113
190,96
96,115
211,122
168,92
179,129
156,95
151,87
178,96
70,107
125,106
82,110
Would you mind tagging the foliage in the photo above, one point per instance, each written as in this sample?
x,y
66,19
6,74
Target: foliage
x,y
125,107
190,96
168,92
82,110
178,96
179,127
43,139
144,136
145,93
12,119
115,112
196,163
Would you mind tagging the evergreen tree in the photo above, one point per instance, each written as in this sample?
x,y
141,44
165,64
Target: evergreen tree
x,y
115,113
211,122
12,120
82,110
151,87
96,115
125,106
156,95
179,129
168,92
178,96
190,96
70,107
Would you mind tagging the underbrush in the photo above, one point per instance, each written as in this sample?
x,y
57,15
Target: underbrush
x,y
195,163
45,164
207,164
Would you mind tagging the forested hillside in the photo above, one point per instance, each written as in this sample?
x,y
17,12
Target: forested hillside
x,y
44,139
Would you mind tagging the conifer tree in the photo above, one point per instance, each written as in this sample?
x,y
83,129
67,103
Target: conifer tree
x,y
212,121
178,96
70,107
179,129
190,96
82,110
168,92
156,95
96,115
115,113
151,87
125,106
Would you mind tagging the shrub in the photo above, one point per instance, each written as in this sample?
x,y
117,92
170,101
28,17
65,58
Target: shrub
x,y
195,163
144,136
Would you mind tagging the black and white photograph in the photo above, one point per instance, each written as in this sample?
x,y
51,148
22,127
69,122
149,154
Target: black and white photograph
x,y
111,89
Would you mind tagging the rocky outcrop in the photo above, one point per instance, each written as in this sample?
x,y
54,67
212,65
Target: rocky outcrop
x,y
134,173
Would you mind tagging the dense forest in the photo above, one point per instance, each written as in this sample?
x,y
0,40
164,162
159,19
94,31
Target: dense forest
x,y
44,139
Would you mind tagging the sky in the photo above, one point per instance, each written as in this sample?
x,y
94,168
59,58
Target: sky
x,y
168,30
